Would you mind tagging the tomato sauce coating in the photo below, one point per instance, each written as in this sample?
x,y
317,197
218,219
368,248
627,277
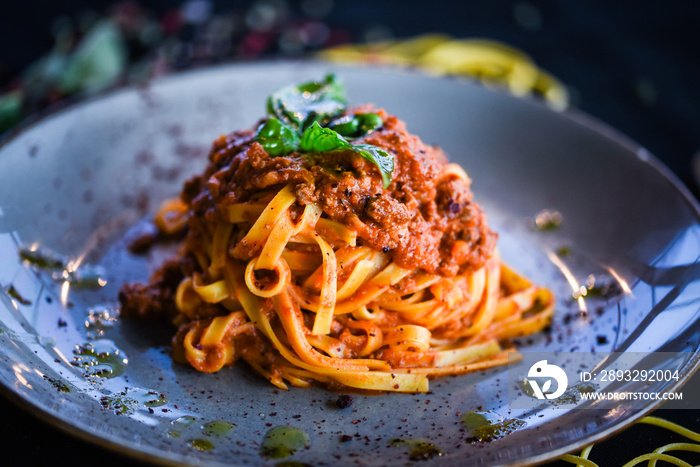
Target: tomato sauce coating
x,y
422,221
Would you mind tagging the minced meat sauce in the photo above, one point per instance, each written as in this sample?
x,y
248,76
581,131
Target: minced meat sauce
x,y
420,220
423,223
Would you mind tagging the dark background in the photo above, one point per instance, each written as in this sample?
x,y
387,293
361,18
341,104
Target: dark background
x,y
634,65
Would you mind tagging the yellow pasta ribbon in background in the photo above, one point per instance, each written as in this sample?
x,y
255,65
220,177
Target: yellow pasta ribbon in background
x,y
490,62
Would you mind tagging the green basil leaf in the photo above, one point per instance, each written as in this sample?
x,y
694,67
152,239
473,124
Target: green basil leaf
x,y
277,138
354,126
347,125
330,87
301,106
317,139
368,123
379,157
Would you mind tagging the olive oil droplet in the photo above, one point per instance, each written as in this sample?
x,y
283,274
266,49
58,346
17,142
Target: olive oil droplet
x,y
184,421
488,426
217,428
100,358
283,441
126,402
419,448
200,444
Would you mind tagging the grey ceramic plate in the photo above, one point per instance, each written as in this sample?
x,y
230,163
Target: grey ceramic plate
x,y
77,181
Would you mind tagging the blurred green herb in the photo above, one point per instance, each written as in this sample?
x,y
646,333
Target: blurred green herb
x,y
10,110
87,65
564,251
12,292
99,59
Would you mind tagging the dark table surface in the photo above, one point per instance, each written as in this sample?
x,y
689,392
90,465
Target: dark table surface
x,y
633,65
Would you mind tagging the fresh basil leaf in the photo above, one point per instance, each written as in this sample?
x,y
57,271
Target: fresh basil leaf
x,y
367,123
332,88
379,157
347,125
354,126
277,138
301,106
305,109
317,139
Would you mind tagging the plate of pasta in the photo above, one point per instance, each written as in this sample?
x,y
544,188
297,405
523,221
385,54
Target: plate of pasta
x,y
304,262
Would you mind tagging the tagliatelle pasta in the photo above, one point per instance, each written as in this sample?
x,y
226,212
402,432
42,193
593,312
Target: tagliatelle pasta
x,y
310,267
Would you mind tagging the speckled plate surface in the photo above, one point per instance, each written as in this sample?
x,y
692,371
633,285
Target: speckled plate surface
x,y
78,181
